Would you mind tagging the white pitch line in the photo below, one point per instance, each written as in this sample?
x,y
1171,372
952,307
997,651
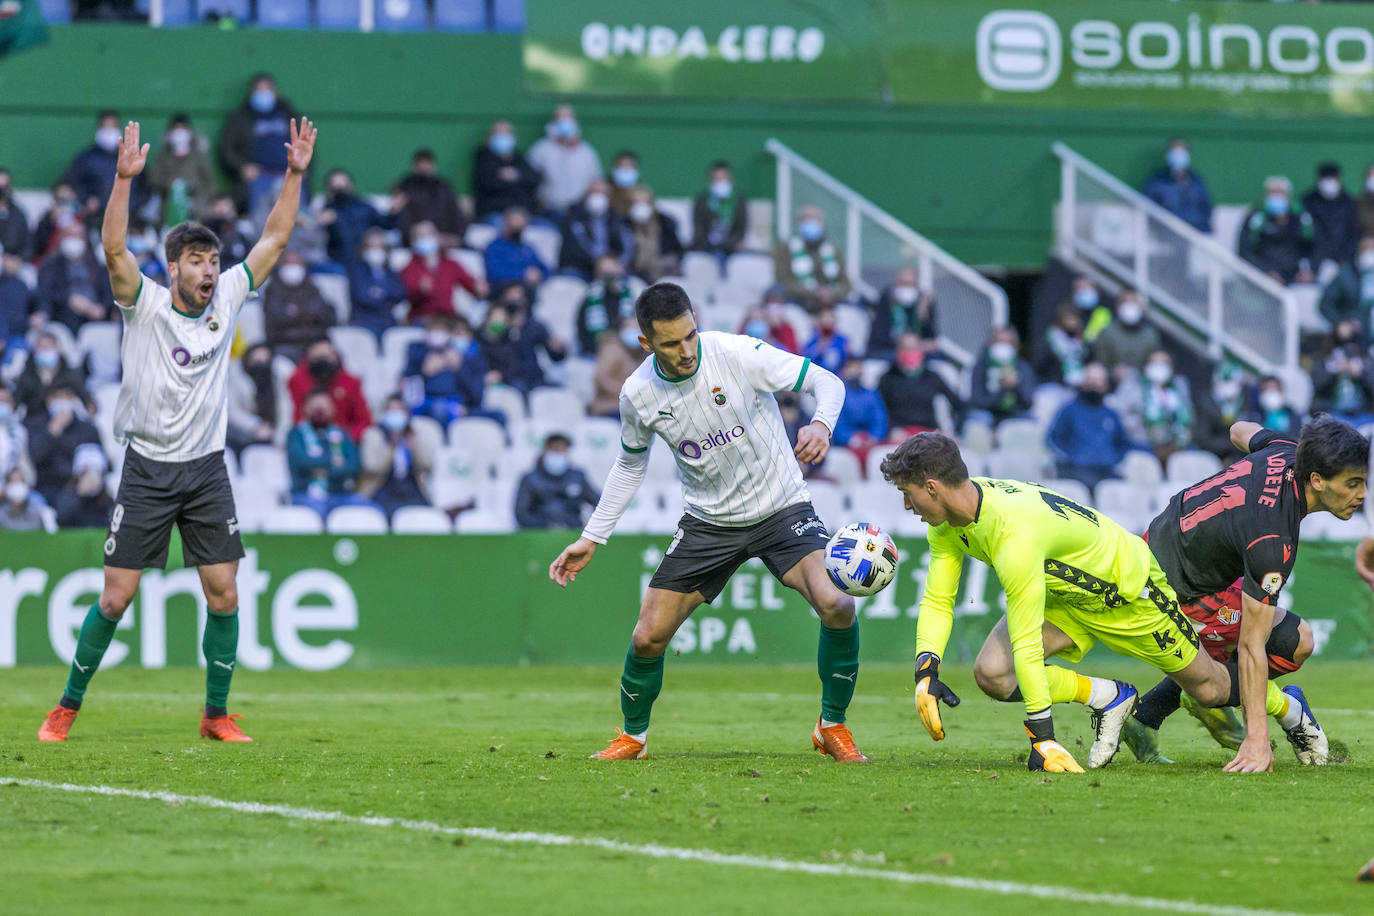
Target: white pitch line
x,y
653,850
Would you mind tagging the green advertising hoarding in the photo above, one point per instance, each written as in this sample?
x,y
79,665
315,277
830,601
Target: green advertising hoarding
x,y
319,602
1271,59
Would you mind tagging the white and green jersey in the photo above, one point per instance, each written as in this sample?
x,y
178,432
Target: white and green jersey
x,y
174,401
723,426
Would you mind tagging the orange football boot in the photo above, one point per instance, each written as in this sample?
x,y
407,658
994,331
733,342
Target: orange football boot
x,y
222,728
623,747
837,742
57,724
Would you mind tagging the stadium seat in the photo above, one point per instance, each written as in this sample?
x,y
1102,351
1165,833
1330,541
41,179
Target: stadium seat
x,y
1020,434
98,341
580,378
428,431
842,466
420,520
546,242
853,322
1142,468
395,342
800,320
508,15
977,464
252,323
56,12
357,347
292,520
356,520
701,268
66,341
507,400
478,434
334,289
49,517
479,236
459,473
344,15
750,270
1047,401
252,503
239,9
1125,503
284,14
402,16
875,458
977,439
1075,490
556,405
472,261
1189,467
1019,464
265,466
679,210
480,521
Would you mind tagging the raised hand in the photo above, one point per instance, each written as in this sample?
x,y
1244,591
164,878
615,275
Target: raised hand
x,y
302,145
132,157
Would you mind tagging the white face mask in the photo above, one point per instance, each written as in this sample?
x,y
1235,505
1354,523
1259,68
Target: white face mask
x,y
721,189
375,257
1226,389
107,138
1130,312
641,212
179,140
291,274
17,492
1329,187
1002,352
1369,184
596,203
437,339
1271,399
1159,373
1366,260
905,294
556,463
73,247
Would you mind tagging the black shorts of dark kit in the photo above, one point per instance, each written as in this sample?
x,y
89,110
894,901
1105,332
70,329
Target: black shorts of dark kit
x,y
153,495
703,557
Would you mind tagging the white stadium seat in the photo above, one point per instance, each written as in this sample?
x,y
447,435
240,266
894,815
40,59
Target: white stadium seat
x,y
420,520
842,466
292,520
701,269
356,520
265,466
1191,466
1020,434
357,347
751,270
477,434
1021,464
507,400
558,405
334,289
395,342
546,242
480,235
428,431
1142,468
472,261
99,341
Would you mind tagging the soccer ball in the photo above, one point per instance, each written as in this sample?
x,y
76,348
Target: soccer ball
x,y
861,559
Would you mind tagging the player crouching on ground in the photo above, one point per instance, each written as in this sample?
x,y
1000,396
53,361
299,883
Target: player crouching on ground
x,y
709,396
1073,577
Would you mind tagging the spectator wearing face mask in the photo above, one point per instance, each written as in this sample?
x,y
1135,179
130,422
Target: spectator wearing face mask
x,y
1180,190
567,164
1165,407
1128,339
554,493
827,348
72,286
396,462
909,390
19,509
181,173
1272,410
1217,409
374,289
625,180
593,230
809,266
64,212
609,301
322,457
904,306
445,374
501,176
54,435
720,214
91,174
223,220
85,502
1343,384
1335,218
1087,437
294,312
322,370
508,259
252,144
424,196
769,322
862,422
256,417
617,357
1094,314
1364,204
14,224
1003,383
45,370
657,248
1350,294
1277,236
142,242
431,277
512,341
14,438
17,301
1062,353
347,217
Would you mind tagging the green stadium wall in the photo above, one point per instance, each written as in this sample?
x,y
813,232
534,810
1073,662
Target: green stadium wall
x,y
320,602
980,181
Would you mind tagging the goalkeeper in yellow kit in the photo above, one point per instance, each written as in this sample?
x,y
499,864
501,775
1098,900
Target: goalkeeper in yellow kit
x,y
1073,577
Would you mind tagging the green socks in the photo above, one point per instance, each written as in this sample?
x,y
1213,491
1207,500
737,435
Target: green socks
x,y
639,687
96,632
220,644
837,661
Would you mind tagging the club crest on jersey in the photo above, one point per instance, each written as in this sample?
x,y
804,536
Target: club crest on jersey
x,y
691,448
718,396
213,325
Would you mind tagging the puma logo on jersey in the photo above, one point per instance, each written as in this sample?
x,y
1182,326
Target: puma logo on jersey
x,y
667,413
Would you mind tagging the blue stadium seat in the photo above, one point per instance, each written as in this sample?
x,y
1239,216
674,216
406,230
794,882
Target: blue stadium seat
x,y
284,14
174,12
57,10
508,15
338,14
460,15
236,8
402,16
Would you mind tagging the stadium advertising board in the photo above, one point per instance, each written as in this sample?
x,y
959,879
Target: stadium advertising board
x,y
321,602
1187,56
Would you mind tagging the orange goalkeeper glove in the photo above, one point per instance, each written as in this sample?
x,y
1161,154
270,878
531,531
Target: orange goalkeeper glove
x,y
1046,753
930,690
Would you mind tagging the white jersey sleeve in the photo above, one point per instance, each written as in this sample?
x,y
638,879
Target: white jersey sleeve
x,y
769,369
235,285
142,302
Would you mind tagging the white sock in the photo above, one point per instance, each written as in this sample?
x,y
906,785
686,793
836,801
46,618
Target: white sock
x,y
1103,693
642,737
826,723
1293,716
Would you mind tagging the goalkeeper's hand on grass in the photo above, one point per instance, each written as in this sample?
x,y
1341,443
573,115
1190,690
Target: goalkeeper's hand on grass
x,y
1046,753
930,690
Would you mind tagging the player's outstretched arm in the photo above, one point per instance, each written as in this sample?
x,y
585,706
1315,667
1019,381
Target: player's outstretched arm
x,y
276,232
1242,431
121,264
1256,621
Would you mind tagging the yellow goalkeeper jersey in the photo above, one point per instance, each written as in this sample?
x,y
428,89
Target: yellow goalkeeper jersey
x,y
1043,546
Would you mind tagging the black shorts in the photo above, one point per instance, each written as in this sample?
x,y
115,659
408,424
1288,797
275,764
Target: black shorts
x,y
703,557
153,494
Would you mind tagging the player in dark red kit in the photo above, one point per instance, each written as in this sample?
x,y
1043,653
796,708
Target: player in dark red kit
x,y
1227,546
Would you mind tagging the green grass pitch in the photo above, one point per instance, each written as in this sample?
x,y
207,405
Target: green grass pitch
x,y
730,771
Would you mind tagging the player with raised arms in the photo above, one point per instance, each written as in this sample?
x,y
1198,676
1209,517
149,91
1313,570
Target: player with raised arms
x,y
1242,524
710,397
171,415
1073,577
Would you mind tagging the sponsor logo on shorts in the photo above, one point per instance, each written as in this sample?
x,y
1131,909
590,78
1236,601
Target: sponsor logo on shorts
x,y
110,545
692,448
234,525
1271,583
811,524
183,357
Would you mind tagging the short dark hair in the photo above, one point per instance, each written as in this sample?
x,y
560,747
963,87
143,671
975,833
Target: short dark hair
x,y
922,457
422,153
555,438
106,113
180,117
260,77
1328,446
720,164
626,154
1328,168
189,236
661,302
